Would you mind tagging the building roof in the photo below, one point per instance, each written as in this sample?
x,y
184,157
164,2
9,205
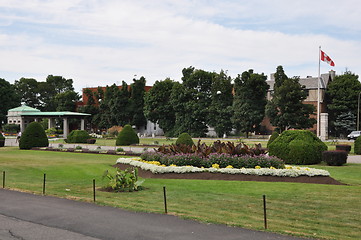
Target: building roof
x,y
29,111
55,114
309,82
23,108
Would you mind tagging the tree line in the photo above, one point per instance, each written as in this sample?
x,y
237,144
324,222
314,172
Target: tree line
x,y
200,100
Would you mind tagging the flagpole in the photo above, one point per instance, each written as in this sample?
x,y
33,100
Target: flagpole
x,y
318,92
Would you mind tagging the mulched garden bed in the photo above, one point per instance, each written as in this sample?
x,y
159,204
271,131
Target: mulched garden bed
x,y
233,177
84,150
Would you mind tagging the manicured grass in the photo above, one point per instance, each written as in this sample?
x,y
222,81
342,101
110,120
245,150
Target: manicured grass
x,y
311,210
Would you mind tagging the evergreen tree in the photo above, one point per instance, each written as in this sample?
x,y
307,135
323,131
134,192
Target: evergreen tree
x,y
249,101
191,102
8,99
220,111
157,106
286,109
137,102
342,101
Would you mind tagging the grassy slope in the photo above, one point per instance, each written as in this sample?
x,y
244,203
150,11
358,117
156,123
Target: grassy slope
x,y
312,210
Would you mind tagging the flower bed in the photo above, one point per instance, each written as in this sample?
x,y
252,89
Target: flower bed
x,y
224,160
157,168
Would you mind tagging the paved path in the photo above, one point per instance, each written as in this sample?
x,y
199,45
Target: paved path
x,y
27,216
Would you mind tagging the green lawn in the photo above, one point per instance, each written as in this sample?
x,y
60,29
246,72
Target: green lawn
x,y
310,210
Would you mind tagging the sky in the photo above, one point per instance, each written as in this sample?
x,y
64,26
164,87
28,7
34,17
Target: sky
x,y
101,42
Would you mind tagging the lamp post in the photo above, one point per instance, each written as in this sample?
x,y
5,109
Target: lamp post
x,y
358,111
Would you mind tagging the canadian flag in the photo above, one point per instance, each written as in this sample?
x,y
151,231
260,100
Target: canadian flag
x,y
326,58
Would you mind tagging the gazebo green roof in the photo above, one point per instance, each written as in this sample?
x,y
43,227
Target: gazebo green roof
x,y
55,114
24,108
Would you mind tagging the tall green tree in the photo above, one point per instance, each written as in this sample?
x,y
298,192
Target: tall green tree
x,y
220,110
49,89
66,101
137,102
91,107
286,109
28,90
342,101
121,107
8,99
249,101
157,105
191,102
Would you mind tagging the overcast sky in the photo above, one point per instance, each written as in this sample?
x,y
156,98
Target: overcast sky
x,y
101,42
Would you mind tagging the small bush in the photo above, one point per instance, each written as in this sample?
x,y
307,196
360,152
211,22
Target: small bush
x,y
78,136
185,138
114,131
298,147
78,147
2,140
344,147
33,136
357,146
124,180
335,158
120,149
272,138
127,136
11,128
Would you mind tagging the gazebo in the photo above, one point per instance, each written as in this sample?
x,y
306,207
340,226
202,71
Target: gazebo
x,y
24,115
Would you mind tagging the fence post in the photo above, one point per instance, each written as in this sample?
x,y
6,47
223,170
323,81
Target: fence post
x,y
44,183
3,179
264,212
94,190
165,200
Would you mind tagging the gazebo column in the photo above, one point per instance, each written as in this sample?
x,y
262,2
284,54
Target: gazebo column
x,y
22,124
65,127
82,124
51,123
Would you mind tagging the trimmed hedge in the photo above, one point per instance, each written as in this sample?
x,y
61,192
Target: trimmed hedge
x,y
185,138
298,147
2,140
357,146
272,138
78,136
33,136
127,136
344,147
335,158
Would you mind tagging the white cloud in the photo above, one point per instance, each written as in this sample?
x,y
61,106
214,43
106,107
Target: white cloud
x,y
104,42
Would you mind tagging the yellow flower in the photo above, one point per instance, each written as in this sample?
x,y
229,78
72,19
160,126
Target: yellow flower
x,y
257,167
229,166
272,167
162,165
215,165
172,165
289,167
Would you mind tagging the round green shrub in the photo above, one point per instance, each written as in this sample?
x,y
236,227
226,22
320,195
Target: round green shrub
x,y
185,138
273,137
33,136
335,158
357,146
78,136
127,136
298,147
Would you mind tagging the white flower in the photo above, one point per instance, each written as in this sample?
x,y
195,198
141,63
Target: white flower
x,y
291,171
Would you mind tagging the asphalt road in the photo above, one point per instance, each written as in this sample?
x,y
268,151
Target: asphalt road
x,y
26,216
